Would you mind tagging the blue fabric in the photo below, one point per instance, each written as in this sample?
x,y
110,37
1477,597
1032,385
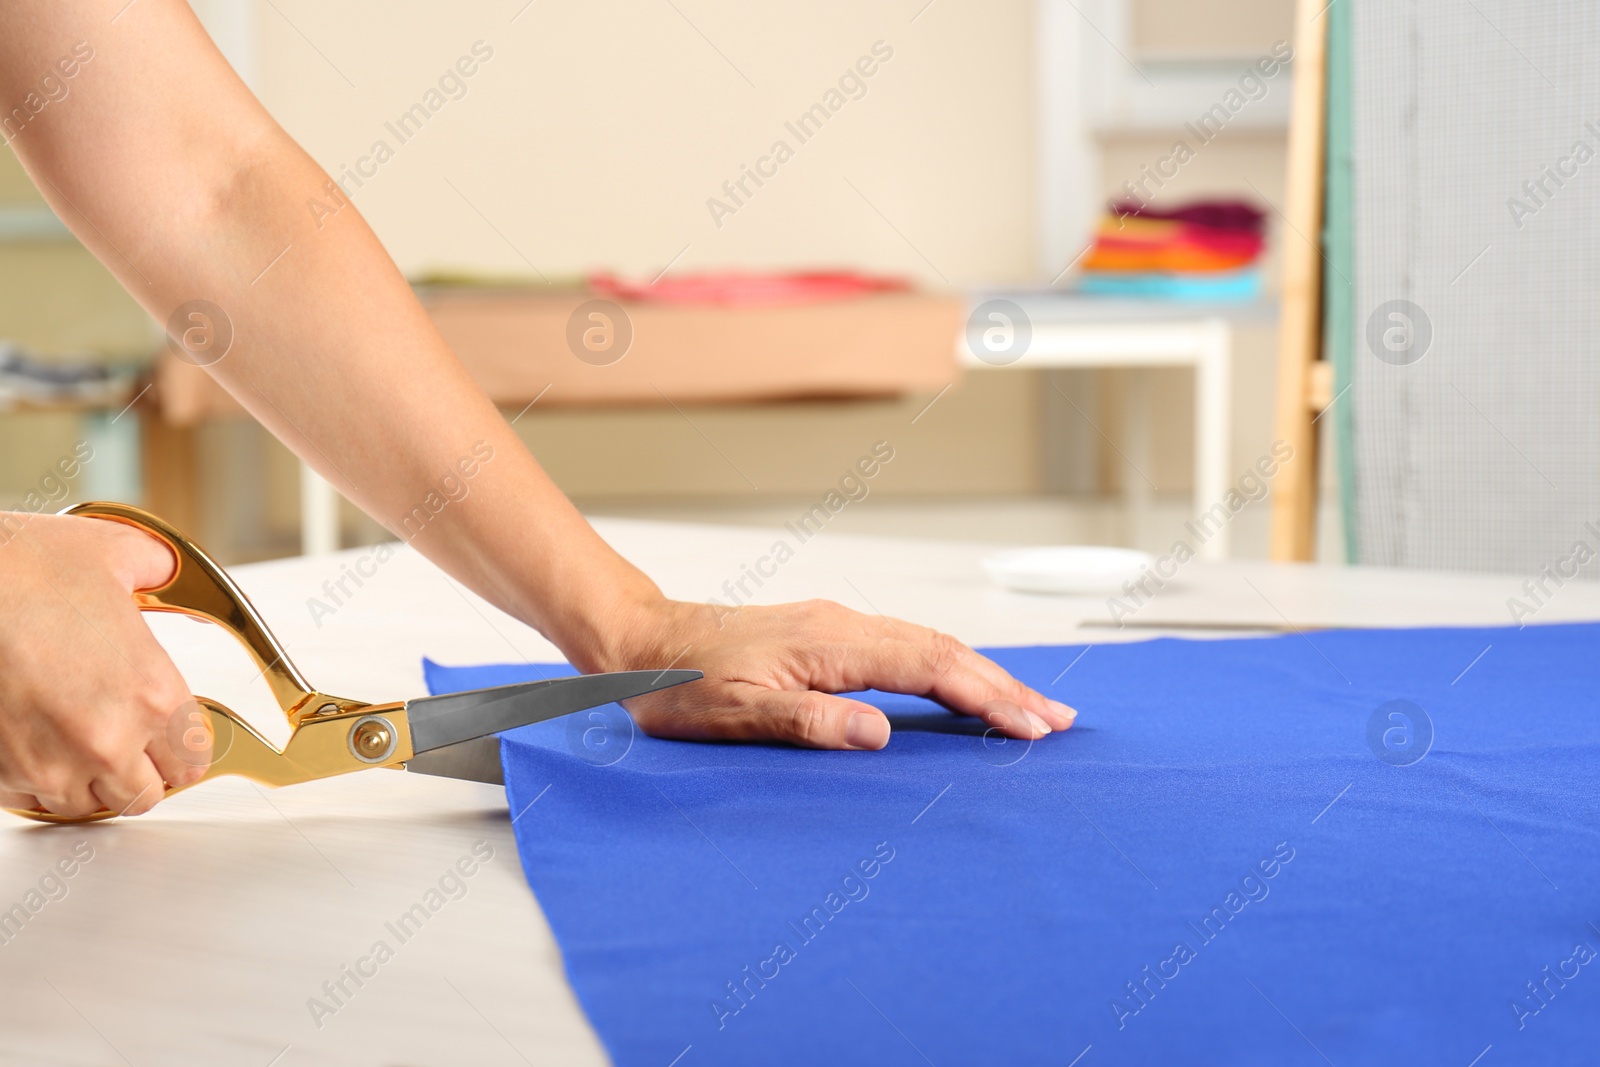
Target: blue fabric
x,y
1365,906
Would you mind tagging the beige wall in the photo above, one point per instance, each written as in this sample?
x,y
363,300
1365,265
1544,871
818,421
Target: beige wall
x,y
1210,27
597,132
57,297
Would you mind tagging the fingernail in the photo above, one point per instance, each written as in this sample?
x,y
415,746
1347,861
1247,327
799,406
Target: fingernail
x,y
1062,710
866,730
1038,724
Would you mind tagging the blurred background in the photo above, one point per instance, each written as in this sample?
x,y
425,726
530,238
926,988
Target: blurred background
x,y
587,155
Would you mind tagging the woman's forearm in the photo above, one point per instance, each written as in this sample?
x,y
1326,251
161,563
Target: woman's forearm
x,y
330,348
336,356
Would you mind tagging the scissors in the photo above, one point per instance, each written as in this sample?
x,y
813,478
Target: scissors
x,y
450,735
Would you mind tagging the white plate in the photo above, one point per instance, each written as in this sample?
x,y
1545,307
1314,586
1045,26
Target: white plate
x,y
1078,569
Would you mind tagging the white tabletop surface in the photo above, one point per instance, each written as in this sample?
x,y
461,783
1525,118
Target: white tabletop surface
x,y
198,933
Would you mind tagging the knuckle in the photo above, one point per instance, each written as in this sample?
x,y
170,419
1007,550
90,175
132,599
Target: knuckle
x,y
826,621
945,652
820,612
185,772
103,756
62,789
157,703
187,734
808,719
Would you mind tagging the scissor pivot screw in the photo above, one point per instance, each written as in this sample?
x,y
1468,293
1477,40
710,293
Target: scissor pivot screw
x,y
372,739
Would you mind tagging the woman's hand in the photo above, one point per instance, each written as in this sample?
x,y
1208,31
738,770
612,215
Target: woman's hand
x,y
770,673
91,708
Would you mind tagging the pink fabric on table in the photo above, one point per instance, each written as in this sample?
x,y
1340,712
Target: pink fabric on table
x,y
738,289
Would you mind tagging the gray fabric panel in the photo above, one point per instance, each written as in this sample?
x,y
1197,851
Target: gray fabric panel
x,y
1484,455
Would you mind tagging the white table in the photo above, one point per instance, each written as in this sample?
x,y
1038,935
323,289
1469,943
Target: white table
x,y
197,933
1077,331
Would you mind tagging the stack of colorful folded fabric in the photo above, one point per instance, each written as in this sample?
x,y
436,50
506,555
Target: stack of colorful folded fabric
x,y
1208,250
27,379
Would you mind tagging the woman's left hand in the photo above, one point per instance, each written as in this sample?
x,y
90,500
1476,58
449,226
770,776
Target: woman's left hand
x,y
771,674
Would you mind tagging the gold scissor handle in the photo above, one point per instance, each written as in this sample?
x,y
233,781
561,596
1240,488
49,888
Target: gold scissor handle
x,y
326,728
202,589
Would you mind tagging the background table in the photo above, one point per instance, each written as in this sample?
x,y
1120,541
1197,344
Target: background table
x,y
197,933
1070,330
518,343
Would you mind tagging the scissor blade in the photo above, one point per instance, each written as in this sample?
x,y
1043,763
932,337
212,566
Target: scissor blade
x,y
456,717
477,760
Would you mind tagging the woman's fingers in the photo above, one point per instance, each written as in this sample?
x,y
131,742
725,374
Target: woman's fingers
x,y
130,790
71,797
740,711
172,736
137,559
1057,714
913,659
182,751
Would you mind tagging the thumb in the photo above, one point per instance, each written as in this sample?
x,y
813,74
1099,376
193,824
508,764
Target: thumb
x,y
139,560
820,720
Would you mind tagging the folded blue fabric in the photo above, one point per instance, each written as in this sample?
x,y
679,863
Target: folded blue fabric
x,y
1220,286
1352,848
